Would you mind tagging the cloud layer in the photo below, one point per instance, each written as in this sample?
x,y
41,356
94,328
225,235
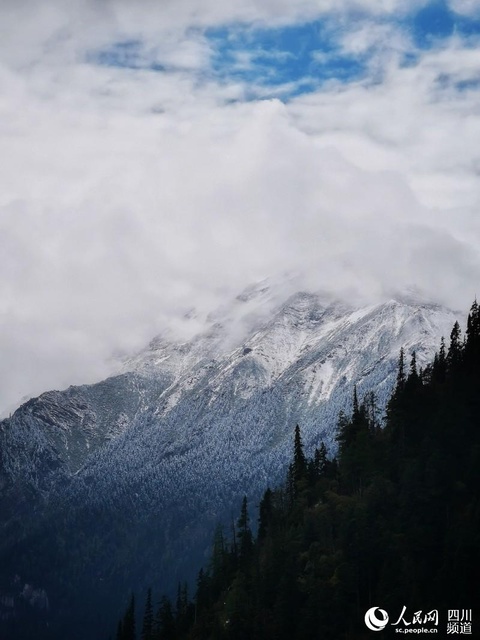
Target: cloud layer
x,y
137,181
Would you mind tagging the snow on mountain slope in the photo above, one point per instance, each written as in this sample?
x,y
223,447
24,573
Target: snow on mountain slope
x,y
226,416
316,341
50,437
306,352
189,427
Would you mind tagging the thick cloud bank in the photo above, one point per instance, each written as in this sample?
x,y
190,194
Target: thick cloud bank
x,y
137,185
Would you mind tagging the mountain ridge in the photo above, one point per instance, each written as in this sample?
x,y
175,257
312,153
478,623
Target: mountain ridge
x,y
307,338
187,428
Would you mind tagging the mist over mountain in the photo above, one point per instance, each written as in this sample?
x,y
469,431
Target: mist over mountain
x,y
159,156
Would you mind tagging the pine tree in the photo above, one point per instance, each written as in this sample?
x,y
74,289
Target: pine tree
x,y
439,369
164,627
372,411
202,595
472,339
265,514
147,627
183,610
218,555
299,461
454,356
395,406
413,380
356,411
344,432
400,373
321,460
244,532
128,625
413,365
290,484
234,546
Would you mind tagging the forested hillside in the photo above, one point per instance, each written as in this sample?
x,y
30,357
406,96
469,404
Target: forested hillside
x,y
392,522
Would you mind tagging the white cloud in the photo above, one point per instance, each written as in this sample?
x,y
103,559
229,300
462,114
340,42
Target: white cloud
x,y
368,36
30,29
127,195
465,7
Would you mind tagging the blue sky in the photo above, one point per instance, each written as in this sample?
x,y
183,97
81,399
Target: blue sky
x,y
311,54
305,55
437,21
292,59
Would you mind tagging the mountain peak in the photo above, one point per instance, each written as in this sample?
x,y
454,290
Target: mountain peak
x,y
154,441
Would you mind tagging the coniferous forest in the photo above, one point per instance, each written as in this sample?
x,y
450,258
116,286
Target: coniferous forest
x,y
391,522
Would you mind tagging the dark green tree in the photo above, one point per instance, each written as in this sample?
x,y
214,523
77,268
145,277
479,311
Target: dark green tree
x,y
218,555
413,366
202,597
245,538
298,470
147,626
356,409
128,625
472,340
413,381
265,514
400,373
184,610
164,626
454,356
321,461
439,369
299,460
344,433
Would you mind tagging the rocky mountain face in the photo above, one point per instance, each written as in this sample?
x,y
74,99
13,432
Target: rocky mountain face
x,y
106,487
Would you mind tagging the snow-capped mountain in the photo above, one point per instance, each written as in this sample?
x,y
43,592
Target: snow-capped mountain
x,y
187,428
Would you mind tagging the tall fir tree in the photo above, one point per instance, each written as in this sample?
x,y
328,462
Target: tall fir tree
x,y
265,514
299,460
400,384
147,626
454,355
128,625
164,625
356,409
472,340
321,460
245,538
413,380
440,370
